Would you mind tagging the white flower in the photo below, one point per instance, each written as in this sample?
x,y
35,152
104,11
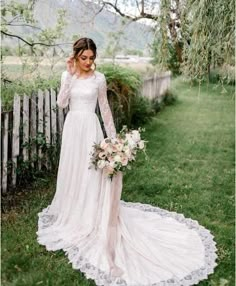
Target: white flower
x,y
136,135
125,148
130,140
127,152
101,164
114,141
141,144
119,146
117,158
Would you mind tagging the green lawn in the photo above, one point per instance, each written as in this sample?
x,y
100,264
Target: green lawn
x,y
190,170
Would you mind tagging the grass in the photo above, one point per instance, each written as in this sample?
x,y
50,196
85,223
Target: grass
x,y
190,170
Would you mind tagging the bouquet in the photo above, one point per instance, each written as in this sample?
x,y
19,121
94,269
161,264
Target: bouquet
x,y
117,154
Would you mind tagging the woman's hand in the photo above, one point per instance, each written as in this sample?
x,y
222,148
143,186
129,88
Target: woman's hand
x,y
70,65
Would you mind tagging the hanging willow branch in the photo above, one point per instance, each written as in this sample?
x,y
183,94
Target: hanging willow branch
x,y
196,34
208,36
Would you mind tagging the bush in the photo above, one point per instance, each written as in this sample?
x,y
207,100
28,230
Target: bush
x,y
21,87
123,87
142,111
169,98
157,105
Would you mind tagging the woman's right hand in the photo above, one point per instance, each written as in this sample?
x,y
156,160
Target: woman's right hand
x,y
70,65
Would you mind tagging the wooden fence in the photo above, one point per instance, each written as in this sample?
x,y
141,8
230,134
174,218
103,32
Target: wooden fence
x,y
38,114
156,85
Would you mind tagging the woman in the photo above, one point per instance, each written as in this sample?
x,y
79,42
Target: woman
x,y
112,241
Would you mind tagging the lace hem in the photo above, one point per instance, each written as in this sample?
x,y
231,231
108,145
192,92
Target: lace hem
x,y
103,279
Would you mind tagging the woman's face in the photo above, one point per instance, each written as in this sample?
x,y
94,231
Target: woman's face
x,y
85,60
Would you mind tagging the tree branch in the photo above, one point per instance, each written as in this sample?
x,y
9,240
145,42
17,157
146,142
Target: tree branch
x,y
31,44
23,25
13,19
141,16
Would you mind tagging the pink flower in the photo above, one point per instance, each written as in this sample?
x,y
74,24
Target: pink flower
x,y
124,161
114,148
127,151
109,170
112,164
109,149
102,155
103,144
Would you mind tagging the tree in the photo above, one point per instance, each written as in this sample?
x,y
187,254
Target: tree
x,y
198,34
39,41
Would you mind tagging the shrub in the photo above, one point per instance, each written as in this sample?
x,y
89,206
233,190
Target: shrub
x,y
141,111
169,97
123,86
21,87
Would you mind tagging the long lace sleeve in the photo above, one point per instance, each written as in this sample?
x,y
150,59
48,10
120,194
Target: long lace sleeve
x,y
64,92
105,109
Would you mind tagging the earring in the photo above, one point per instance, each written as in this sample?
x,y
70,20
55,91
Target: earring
x,y
93,66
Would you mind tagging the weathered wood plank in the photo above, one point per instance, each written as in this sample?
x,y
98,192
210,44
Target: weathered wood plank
x,y
53,116
33,128
25,127
15,135
5,151
47,118
0,142
40,125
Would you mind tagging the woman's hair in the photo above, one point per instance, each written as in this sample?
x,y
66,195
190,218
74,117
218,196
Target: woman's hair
x,y
84,44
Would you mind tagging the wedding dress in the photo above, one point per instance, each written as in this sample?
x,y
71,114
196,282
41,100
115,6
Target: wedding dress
x,y
112,241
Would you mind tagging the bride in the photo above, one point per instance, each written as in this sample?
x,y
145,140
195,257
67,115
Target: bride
x,y
112,241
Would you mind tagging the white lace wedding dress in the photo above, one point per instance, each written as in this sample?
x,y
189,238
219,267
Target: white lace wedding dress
x,y
112,241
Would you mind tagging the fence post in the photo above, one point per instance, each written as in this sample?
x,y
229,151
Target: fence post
x,y
15,136
25,127
47,123
33,128
40,124
0,143
5,152
53,116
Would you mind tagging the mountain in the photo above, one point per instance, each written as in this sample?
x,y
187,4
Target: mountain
x,y
84,20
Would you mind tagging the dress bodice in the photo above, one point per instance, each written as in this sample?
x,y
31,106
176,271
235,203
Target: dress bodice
x,y
84,92
82,95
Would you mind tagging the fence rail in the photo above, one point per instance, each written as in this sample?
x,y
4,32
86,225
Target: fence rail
x,y
38,114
